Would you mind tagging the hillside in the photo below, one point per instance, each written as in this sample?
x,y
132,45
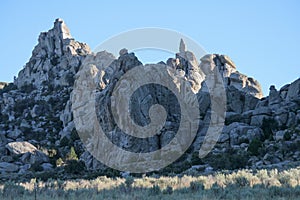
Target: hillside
x,y
39,132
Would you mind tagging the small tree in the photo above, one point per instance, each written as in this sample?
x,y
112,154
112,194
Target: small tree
x,y
72,155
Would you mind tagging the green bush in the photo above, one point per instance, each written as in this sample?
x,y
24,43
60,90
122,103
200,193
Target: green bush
x,y
12,190
287,136
269,126
168,190
229,160
195,160
74,167
36,167
45,176
59,162
74,135
22,105
72,155
28,88
195,186
3,117
242,181
129,181
254,147
155,190
64,142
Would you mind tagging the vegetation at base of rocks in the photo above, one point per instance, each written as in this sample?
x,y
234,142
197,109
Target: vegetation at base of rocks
x,y
74,167
64,142
196,186
36,167
243,184
269,127
59,162
287,136
72,154
3,117
11,190
231,159
254,147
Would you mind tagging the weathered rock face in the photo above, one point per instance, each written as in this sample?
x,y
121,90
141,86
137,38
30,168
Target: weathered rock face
x,y
20,148
36,110
232,77
54,60
6,167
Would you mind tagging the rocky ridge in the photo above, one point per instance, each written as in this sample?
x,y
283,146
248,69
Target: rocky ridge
x,y
37,131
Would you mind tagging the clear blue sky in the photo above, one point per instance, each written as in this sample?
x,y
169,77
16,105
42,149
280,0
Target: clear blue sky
x,y
261,37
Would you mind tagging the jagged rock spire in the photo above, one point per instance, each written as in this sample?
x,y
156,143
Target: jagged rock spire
x,y
61,28
55,59
182,46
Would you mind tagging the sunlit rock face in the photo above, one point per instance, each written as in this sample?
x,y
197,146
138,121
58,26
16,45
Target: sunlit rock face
x,y
55,59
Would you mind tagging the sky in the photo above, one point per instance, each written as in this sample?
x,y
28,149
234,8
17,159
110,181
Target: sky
x,y
261,37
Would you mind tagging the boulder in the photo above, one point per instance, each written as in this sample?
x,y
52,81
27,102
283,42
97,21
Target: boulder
x,y
123,52
279,135
47,166
19,148
6,159
271,159
14,134
24,168
257,120
38,157
8,167
294,91
274,96
240,133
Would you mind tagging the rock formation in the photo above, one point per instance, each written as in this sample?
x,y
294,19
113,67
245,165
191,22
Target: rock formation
x,y
37,127
54,60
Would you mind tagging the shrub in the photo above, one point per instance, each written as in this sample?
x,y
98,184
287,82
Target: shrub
x,y
155,190
36,167
74,166
195,186
269,126
254,147
195,160
59,162
45,176
74,135
287,136
64,142
3,117
230,160
129,181
168,190
22,105
242,181
11,190
28,88
72,155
